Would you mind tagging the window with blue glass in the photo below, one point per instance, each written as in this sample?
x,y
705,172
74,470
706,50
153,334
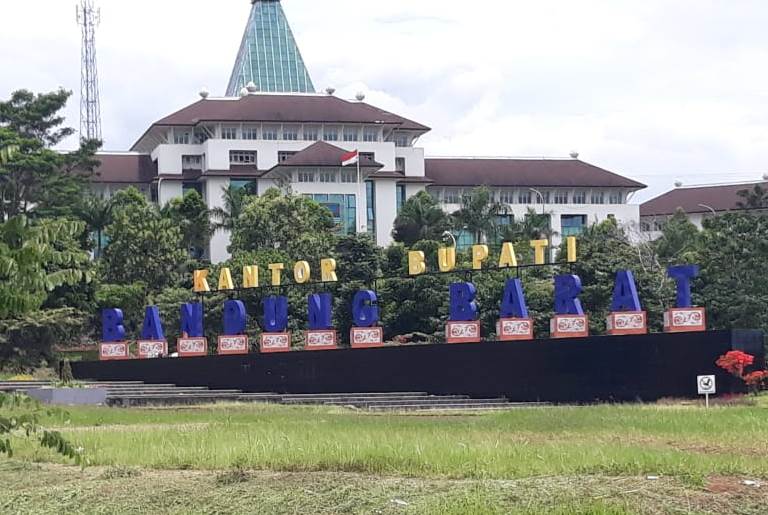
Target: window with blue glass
x,y
370,196
400,196
343,209
251,187
572,225
464,240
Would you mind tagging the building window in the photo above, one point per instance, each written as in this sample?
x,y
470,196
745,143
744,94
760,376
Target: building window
x,y
370,134
270,133
451,196
330,134
366,156
249,186
242,157
598,197
370,197
615,197
229,133
506,196
290,133
561,197
343,210
580,197
524,197
645,227
201,136
400,164
181,138
250,133
348,176
401,140
306,176
350,134
327,176
572,225
192,162
658,225
188,186
284,155
400,193
464,240
310,133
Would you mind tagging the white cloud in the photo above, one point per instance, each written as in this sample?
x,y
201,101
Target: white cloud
x,y
656,90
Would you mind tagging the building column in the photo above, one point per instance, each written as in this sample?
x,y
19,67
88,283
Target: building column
x,y
214,197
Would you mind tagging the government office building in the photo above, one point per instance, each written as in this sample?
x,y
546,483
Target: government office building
x,y
273,130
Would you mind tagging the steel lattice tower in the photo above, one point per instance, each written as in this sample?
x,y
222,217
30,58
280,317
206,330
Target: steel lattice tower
x,y
88,17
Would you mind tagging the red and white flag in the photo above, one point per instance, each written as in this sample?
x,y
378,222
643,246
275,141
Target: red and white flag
x,y
350,158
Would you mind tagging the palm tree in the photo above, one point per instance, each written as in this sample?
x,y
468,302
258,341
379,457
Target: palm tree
x,y
479,214
226,217
533,226
420,218
756,198
96,212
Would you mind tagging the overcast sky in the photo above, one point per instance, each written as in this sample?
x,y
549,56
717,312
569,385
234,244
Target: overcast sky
x,y
655,90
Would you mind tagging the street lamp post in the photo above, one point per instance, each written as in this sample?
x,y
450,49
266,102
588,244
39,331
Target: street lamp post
x,y
714,213
541,198
450,235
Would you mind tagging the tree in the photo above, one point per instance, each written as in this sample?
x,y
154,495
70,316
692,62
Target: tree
x,y
192,216
756,198
478,215
294,224
235,200
35,179
679,241
33,262
96,212
734,275
533,226
421,218
143,246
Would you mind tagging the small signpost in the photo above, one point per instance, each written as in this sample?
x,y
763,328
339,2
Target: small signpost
x,y
706,386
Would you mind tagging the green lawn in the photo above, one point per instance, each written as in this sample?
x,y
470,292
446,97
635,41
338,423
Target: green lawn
x,y
324,460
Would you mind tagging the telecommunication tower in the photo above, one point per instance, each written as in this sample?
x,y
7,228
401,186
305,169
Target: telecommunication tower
x,y
89,17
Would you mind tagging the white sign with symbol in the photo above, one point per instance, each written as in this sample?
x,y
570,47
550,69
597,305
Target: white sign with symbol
x,y
706,385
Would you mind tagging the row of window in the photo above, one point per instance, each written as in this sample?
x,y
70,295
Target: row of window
x,y
287,133
323,175
250,157
531,196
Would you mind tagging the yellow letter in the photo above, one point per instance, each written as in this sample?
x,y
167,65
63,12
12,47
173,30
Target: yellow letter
x,y
571,248
276,276
225,280
508,257
328,270
301,272
479,254
200,281
416,265
539,246
251,276
446,258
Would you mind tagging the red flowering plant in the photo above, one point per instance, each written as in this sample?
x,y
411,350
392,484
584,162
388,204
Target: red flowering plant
x,y
734,362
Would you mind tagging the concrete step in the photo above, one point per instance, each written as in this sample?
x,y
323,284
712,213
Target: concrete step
x,y
443,407
172,394
367,400
422,402
350,394
140,391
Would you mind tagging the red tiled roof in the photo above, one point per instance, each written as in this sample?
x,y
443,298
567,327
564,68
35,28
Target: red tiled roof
x,y
324,154
697,199
287,109
124,168
523,172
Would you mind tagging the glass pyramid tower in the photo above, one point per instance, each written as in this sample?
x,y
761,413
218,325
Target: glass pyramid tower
x,y
269,55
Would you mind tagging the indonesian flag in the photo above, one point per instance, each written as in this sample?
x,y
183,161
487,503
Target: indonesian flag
x,y
350,158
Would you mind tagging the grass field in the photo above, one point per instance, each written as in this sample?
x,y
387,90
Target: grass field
x,y
276,459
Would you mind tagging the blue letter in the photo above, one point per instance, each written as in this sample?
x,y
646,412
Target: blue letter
x,y
463,305
275,314
625,292
112,329
365,312
234,318
513,300
319,311
567,289
682,275
192,320
153,327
